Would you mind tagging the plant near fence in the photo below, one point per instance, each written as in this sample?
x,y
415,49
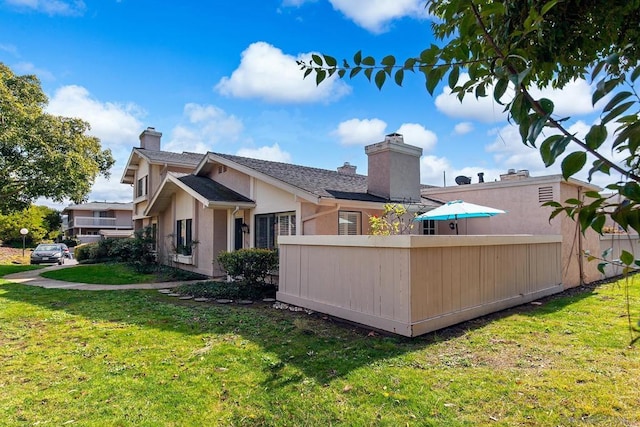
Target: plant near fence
x,y
392,221
252,266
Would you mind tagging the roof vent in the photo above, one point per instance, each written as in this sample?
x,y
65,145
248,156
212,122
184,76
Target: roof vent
x,y
463,180
395,137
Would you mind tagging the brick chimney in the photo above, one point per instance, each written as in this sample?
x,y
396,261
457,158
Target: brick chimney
x,y
394,169
347,169
150,139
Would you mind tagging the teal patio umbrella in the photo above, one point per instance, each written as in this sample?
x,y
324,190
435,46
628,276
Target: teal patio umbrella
x,y
457,209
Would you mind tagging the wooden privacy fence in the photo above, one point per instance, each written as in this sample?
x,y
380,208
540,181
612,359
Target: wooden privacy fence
x,y
411,285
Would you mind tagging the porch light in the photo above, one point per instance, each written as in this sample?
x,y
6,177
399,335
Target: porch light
x,y
245,228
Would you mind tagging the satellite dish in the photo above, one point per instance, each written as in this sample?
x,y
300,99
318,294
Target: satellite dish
x,y
463,180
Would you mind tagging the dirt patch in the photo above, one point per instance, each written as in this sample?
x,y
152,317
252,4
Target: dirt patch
x,y
13,256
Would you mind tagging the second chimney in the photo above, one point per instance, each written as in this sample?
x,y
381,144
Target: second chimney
x,y
150,139
394,169
347,169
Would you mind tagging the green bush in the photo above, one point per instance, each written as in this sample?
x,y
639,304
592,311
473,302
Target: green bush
x,y
251,266
137,251
226,290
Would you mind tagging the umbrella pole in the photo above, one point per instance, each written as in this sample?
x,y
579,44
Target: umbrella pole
x,y
456,221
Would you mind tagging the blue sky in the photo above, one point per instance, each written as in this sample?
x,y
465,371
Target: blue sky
x,y
221,76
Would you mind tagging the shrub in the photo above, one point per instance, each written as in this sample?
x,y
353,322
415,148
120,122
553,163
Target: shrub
x,y
252,266
226,290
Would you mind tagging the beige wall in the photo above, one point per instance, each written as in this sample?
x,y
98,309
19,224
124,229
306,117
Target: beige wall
x,y
617,243
270,199
411,285
526,215
233,179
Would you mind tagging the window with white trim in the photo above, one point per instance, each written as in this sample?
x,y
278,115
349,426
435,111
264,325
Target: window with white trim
x,y
142,187
184,236
349,223
270,226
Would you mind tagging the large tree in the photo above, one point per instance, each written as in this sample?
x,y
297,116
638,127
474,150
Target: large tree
x,y
507,47
43,155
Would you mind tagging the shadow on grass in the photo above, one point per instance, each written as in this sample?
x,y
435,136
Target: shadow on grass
x,y
319,346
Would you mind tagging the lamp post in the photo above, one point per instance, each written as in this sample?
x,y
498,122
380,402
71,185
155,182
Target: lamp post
x,y
24,232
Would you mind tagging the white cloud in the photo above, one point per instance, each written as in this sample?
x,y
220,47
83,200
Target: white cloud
x,y
115,124
439,171
510,153
573,99
360,132
375,15
265,72
463,128
50,7
29,68
273,153
416,134
296,3
203,126
9,48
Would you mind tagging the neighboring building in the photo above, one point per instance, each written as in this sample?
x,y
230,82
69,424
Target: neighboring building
x,y
89,222
199,205
522,196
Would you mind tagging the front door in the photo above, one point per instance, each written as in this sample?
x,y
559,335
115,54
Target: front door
x,y
238,233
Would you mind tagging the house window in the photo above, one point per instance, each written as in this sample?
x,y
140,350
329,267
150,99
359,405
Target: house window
x,y
428,227
184,236
142,187
349,223
269,226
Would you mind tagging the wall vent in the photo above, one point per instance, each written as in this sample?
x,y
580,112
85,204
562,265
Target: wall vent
x,y
545,194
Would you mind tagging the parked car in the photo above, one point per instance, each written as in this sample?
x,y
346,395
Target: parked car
x,y
50,253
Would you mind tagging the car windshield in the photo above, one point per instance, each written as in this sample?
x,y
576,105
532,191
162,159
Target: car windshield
x,y
48,248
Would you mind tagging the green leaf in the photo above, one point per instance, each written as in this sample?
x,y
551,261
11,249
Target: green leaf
x,y
617,111
573,163
548,7
626,257
535,129
389,61
410,63
354,72
621,96
320,76
603,88
596,136
307,72
368,72
369,61
433,78
546,105
330,61
316,59
635,74
598,223
341,72
453,76
399,77
381,76
357,58
552,147
499,89
601,267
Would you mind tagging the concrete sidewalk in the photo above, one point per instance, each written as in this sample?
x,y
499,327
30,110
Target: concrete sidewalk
x,y
33,278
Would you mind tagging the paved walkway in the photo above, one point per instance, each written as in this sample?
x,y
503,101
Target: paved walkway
x,y
33,278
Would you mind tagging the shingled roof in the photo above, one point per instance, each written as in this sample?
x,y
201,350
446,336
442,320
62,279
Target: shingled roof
x,y
212,190
320,182
184,158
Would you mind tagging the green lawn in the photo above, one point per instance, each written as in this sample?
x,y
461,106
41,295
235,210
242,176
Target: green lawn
x,y
115,274
121,358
